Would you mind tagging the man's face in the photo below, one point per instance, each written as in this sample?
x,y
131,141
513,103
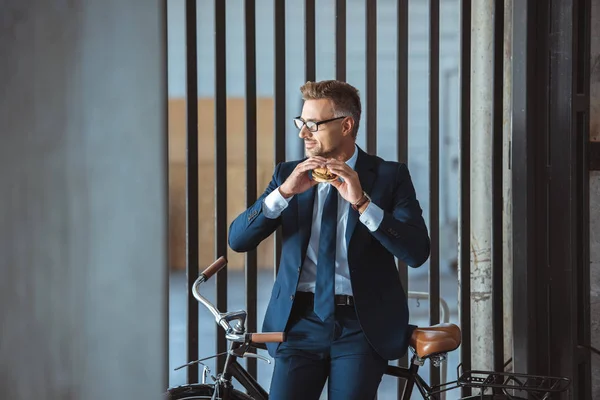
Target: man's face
x,y
326,140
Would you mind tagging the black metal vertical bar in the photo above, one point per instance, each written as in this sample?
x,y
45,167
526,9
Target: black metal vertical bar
x,y
522,163
251,166
565,109
465,186
582,20
192,251
583,274
280,125
543,184
340,40
221,167
497,194
371,42
402,128
309,41
402,74
434,169
541,142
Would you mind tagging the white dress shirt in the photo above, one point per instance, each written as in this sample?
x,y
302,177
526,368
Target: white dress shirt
x,y
275,203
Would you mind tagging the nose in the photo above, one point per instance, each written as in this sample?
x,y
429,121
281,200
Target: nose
x,y
304,133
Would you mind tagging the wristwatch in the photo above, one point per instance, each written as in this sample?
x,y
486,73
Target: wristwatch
x,y
356,206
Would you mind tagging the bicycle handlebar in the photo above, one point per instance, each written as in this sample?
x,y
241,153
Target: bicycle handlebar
x,y
214,268
267,337
235,333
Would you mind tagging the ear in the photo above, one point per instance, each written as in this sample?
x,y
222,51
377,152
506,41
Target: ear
x,y
347,126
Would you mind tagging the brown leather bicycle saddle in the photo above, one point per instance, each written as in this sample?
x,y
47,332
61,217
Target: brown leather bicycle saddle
x,y
441,338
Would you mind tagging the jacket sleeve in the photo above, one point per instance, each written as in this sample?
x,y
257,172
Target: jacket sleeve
x,y
403,231
252,227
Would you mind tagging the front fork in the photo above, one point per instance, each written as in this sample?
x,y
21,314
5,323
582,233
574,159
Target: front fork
x,y
223,386
222,390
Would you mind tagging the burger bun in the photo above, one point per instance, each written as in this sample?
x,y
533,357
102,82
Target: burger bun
x,y
323,175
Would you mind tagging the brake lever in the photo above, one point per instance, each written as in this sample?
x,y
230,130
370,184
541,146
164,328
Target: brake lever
x,y
252,355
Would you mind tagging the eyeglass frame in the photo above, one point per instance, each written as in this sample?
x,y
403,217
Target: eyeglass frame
x,y
304,123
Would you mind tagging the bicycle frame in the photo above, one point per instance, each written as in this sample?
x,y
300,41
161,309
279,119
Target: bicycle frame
x,y
413,378
233,369
252,387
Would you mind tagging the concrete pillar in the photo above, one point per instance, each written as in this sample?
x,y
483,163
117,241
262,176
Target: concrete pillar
x,y
83,287
507,184
482,55
595,197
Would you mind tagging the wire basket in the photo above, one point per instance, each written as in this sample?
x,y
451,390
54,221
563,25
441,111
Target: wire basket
x,y
537,386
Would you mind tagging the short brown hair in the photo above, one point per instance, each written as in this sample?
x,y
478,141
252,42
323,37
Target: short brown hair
x,y
345,98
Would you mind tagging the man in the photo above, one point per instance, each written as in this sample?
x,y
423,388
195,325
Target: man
x,y
337,294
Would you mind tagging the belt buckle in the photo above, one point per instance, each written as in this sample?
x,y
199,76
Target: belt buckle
x,y
346,301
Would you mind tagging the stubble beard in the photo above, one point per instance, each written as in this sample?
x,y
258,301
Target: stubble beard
x,y
320,153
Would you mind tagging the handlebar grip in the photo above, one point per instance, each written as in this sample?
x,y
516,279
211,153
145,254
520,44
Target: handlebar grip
x,y
268,337
215,267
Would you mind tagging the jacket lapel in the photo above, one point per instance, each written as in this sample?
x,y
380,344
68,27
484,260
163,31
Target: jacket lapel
x,y
366,174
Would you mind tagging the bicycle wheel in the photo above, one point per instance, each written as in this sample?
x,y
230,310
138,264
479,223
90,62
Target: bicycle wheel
x,y
200,392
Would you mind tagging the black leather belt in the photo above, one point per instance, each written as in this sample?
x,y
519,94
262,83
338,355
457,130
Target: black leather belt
x,y
308,298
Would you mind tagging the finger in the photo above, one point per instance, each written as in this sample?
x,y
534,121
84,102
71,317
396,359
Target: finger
x,y
344,172
333,161
312,164
308,166
338,164
315,159
337,183
320,161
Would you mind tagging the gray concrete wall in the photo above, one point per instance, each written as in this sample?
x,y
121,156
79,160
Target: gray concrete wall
x,y
507,240
83,302
482,96
595,198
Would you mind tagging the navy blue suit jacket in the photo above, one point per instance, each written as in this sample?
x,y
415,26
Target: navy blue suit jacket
x,y
380,300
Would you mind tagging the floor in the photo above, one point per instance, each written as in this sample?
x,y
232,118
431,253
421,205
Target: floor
x,y
208,328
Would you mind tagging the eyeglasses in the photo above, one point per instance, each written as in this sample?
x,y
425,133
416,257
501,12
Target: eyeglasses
x,y
312,126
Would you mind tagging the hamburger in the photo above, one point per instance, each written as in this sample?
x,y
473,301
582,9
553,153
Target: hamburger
x,y
323,175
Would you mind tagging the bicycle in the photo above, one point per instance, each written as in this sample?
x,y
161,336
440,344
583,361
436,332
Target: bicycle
x,y
427,343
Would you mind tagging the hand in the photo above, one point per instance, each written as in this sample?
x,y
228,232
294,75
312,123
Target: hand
x,y
299,180
350,189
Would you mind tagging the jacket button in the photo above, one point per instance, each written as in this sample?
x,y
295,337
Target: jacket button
x,y
299,269
292,297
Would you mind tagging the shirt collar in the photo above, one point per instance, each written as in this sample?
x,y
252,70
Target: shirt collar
x,y
352,160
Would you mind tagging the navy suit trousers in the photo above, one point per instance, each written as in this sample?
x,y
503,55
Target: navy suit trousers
x,y
316,351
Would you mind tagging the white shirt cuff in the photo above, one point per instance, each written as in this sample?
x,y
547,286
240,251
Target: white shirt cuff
x,y
274,204
372,217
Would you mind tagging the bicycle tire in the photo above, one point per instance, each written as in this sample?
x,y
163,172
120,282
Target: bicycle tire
x,y
200,392
492,397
